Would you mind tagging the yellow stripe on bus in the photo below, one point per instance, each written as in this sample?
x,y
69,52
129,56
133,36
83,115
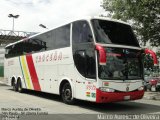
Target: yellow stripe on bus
x,y
25,71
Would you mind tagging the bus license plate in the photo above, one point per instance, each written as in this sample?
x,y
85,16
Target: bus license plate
x,y
127,97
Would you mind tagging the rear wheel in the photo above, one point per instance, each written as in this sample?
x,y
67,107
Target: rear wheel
x,y
14,85
19,86
66,94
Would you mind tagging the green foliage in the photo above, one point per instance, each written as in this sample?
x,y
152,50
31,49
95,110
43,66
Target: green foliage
x,y
144,14
158,54
148,62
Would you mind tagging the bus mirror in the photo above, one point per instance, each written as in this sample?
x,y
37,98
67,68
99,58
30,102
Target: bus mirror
x,y
102,55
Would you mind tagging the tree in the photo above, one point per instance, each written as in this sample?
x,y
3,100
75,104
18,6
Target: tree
x,y
143,14
148,62
158,54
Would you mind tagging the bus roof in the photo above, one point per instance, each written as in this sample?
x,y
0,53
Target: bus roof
x,y
88,18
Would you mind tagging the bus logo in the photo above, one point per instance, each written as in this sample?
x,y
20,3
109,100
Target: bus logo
x,y
127,89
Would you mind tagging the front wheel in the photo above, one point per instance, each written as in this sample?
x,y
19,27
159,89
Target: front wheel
x,y
66,94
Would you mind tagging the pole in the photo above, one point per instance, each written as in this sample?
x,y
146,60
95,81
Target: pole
x,y
13,16
13,25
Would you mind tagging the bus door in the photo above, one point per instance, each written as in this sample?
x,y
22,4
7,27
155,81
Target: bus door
x,y
84,58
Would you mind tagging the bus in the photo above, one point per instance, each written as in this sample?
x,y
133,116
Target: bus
x,y
93,59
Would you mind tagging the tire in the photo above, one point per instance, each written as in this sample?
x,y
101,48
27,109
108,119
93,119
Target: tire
x,y
19,86
66,94
14,85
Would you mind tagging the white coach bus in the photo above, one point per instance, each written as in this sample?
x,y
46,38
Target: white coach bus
x,y
93,59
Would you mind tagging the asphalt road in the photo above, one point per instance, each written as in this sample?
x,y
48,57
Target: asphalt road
x,y
35,104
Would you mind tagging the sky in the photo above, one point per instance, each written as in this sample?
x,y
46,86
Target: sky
x,y
47,12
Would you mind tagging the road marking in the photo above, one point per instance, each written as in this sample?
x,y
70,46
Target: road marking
x,y
155,113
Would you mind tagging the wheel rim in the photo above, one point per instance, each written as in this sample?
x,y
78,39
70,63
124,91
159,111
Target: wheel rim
x,y
67,94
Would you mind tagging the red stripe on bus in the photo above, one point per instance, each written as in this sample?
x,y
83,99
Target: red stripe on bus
x,y
106,97
33,73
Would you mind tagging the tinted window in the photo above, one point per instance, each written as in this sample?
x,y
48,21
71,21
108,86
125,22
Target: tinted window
x,y
108,32
91,64
81,32
84,59
8,51
62,37
80,60
14,50
48,38
57,38
122,64
33,45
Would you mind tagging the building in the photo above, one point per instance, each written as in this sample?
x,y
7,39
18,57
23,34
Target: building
x,y
6,37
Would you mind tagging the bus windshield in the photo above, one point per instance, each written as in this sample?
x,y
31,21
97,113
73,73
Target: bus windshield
x,y
122,64
109,32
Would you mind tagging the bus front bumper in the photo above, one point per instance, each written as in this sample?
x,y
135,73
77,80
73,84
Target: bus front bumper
x,y
106,97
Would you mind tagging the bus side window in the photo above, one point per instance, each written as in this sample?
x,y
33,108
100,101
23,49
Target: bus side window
x,y
81,32
14,50
8,52
62,37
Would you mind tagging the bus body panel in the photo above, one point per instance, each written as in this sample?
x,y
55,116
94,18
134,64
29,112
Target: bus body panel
x,y
106,97
123,86
51,70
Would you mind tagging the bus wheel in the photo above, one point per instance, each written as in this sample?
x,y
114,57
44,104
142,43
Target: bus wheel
x,y
14,85
66,94
19,86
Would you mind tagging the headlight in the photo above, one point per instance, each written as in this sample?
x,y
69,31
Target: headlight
x,y
104,89
141,88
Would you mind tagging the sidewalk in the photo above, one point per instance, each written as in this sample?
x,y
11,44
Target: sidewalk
x,y
2,80
152,95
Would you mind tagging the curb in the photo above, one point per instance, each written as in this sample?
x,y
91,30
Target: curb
x,y
2,83
153,97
